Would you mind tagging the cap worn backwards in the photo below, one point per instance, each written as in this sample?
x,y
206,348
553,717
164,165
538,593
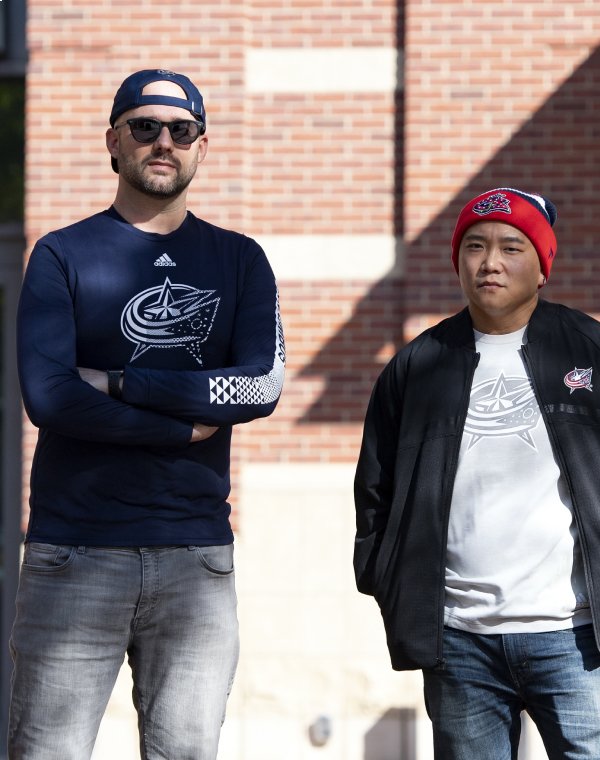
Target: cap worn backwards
x,y
129,95
532,214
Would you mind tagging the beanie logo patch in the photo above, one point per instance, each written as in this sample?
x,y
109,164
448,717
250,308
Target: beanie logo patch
x,y
579,378
496,202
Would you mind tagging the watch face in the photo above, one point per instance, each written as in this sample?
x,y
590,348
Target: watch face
x,y
114,383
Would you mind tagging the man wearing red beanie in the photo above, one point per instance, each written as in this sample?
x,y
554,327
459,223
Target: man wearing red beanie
x,y
476,490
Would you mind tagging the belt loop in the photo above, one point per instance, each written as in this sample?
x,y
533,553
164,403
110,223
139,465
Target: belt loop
x,y
81,549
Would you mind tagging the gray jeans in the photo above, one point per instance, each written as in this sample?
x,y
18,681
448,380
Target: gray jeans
x,y
172,610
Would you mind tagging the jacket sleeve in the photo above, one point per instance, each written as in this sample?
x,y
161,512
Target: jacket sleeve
x,y
249,388
374,479
54,395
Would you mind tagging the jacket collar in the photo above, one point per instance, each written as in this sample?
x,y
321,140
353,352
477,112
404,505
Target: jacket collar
x,y
457,331
541,321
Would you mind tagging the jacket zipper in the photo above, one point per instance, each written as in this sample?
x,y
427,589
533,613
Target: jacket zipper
x,y
450,489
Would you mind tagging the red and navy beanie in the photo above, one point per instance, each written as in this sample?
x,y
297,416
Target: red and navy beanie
x,y
532,214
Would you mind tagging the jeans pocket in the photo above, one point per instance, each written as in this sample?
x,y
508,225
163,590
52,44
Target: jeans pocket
x,y
216,559
40,557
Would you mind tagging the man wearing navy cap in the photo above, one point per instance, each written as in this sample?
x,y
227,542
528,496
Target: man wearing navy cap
x,y
478,527
144,335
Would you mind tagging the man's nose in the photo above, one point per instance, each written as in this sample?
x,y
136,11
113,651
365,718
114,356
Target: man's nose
x,y
164,140
492,258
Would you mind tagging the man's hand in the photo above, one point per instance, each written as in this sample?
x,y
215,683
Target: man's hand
x,y
95,377
201,432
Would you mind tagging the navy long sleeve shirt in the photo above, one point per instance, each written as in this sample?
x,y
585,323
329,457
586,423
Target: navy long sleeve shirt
x,y
192,318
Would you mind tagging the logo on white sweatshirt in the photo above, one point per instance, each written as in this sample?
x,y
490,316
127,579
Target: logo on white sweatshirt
x,y
502,406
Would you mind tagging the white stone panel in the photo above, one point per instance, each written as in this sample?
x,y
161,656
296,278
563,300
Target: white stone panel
x,y
333,257
309,70
311,644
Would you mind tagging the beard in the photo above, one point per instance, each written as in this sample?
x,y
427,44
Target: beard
x,y
158,186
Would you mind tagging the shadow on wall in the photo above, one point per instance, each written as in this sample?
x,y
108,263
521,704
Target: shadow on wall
x,y
393,737
557,153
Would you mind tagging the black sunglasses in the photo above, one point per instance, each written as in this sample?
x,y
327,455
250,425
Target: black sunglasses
x,y
183,132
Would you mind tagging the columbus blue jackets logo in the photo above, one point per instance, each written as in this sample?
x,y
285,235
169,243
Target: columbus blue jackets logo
x,y
170,316
502,406
495,202
578,379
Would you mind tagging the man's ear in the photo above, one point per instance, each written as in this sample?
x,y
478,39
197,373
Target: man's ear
x,y
112,141
202,149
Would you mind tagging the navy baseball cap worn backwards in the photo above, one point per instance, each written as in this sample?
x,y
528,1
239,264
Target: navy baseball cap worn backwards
x,y
129,95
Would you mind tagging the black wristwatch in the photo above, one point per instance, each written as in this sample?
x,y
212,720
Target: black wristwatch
x,y
114,382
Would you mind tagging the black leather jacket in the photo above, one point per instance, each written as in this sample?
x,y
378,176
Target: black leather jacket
x,y
408,461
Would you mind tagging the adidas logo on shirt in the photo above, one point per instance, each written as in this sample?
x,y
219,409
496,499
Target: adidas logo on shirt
x,y
164,261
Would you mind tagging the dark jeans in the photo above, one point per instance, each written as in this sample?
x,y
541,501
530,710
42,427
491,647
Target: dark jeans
x,y
475,700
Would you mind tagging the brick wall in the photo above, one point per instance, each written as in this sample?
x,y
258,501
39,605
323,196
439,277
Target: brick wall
x,y
494,94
